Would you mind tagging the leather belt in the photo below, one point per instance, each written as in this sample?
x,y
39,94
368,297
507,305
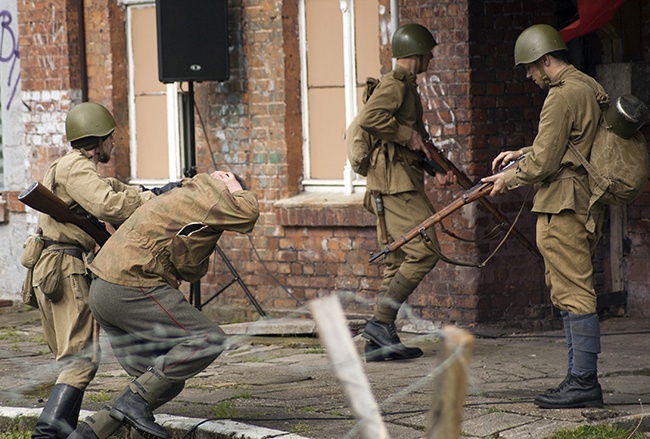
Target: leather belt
x,y
75,252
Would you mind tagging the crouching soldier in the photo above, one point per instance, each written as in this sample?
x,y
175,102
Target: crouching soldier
x,y
157,336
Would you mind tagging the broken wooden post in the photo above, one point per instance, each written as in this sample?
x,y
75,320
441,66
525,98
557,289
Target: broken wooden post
x,y
450,385
334,332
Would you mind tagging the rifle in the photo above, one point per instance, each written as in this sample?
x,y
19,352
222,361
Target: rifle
x,y
476,192
40,198
440,161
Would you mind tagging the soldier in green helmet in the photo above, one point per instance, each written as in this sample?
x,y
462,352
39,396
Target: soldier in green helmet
x,y
59,279
393,115
567,240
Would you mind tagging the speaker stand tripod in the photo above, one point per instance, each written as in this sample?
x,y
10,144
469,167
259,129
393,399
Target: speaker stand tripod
x,y
190,171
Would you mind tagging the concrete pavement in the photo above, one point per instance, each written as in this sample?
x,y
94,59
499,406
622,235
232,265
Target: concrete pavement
x,y
283,386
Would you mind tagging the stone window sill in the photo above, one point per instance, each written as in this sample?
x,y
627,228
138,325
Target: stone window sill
x,y
324,210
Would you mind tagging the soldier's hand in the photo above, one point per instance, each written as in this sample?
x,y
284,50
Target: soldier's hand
x,y
229,179
416,143
504,158
446,179
499,184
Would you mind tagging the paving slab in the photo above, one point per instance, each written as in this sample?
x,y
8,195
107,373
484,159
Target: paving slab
x,y
277,381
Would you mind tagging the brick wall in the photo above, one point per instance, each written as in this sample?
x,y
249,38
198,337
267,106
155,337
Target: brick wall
x,y
476,105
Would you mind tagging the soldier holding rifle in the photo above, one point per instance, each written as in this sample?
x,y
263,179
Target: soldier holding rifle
x,y
395,186
59,277
566,237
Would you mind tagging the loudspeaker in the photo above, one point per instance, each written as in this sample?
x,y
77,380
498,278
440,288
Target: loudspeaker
x,y
192,40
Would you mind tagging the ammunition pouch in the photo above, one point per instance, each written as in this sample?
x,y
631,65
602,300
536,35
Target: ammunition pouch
x,y
32,249
47,275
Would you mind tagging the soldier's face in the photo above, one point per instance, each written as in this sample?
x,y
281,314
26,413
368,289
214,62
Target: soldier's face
x,y
533,72
424,62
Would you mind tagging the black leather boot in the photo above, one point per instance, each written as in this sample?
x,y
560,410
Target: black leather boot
x,y
60,414
133,408
383,343
557,389
577,392
83,431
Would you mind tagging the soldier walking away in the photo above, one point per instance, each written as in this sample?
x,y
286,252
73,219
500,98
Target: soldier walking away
x,y
59,280
567,229
395,186
157,336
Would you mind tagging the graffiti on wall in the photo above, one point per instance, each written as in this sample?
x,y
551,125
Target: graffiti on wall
x,y
434,98
9,53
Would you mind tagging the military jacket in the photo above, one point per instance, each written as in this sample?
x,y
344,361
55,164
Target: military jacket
x,y
570,113
391,114
74,178
170,238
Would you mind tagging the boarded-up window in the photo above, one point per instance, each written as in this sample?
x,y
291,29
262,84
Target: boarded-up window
x,y
151,161
326,81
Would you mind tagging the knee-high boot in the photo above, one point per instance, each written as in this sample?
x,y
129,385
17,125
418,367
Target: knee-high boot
x,y
60,414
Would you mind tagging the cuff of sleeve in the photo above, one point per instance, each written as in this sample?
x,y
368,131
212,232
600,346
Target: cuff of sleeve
x,y
510,179
403,135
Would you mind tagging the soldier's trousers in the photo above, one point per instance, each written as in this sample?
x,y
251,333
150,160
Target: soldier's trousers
x,y
416,258
155,327
567,247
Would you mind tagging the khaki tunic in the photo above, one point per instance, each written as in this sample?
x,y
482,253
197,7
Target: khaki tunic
x,y
391,114
68,323
78,183
571,113
142,252
135,297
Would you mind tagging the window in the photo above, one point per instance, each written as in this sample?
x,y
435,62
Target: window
x,y
336,59
155,109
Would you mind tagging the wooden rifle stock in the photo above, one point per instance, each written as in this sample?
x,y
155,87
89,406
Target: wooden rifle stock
x,y
464,182
40,198
475,193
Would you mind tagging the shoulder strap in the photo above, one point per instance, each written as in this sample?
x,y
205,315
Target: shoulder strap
x,y
371,85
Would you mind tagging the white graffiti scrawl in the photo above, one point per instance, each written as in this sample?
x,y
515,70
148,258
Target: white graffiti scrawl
x,y
9,53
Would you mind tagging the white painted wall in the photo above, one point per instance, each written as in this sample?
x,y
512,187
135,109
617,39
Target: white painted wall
x,y
16,159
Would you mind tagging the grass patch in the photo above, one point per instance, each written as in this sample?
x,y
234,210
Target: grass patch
x,y
224,410
101,396
300,427
16,435
597,432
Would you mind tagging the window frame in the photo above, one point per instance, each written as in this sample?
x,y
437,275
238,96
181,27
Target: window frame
x,y
175,110
350,182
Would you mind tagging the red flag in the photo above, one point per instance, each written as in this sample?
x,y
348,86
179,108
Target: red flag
x,y
593,14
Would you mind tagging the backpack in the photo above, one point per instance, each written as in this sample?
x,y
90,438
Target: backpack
x,y
617,167
359,143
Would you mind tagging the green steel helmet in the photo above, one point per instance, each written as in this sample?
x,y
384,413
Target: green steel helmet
x,y
88,119
412,39
535,42
626,115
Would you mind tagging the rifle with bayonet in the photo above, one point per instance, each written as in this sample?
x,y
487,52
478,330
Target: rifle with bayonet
x,y
40,198
476,192
440,161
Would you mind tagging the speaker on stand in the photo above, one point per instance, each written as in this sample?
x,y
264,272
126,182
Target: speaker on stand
x,y
193,46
